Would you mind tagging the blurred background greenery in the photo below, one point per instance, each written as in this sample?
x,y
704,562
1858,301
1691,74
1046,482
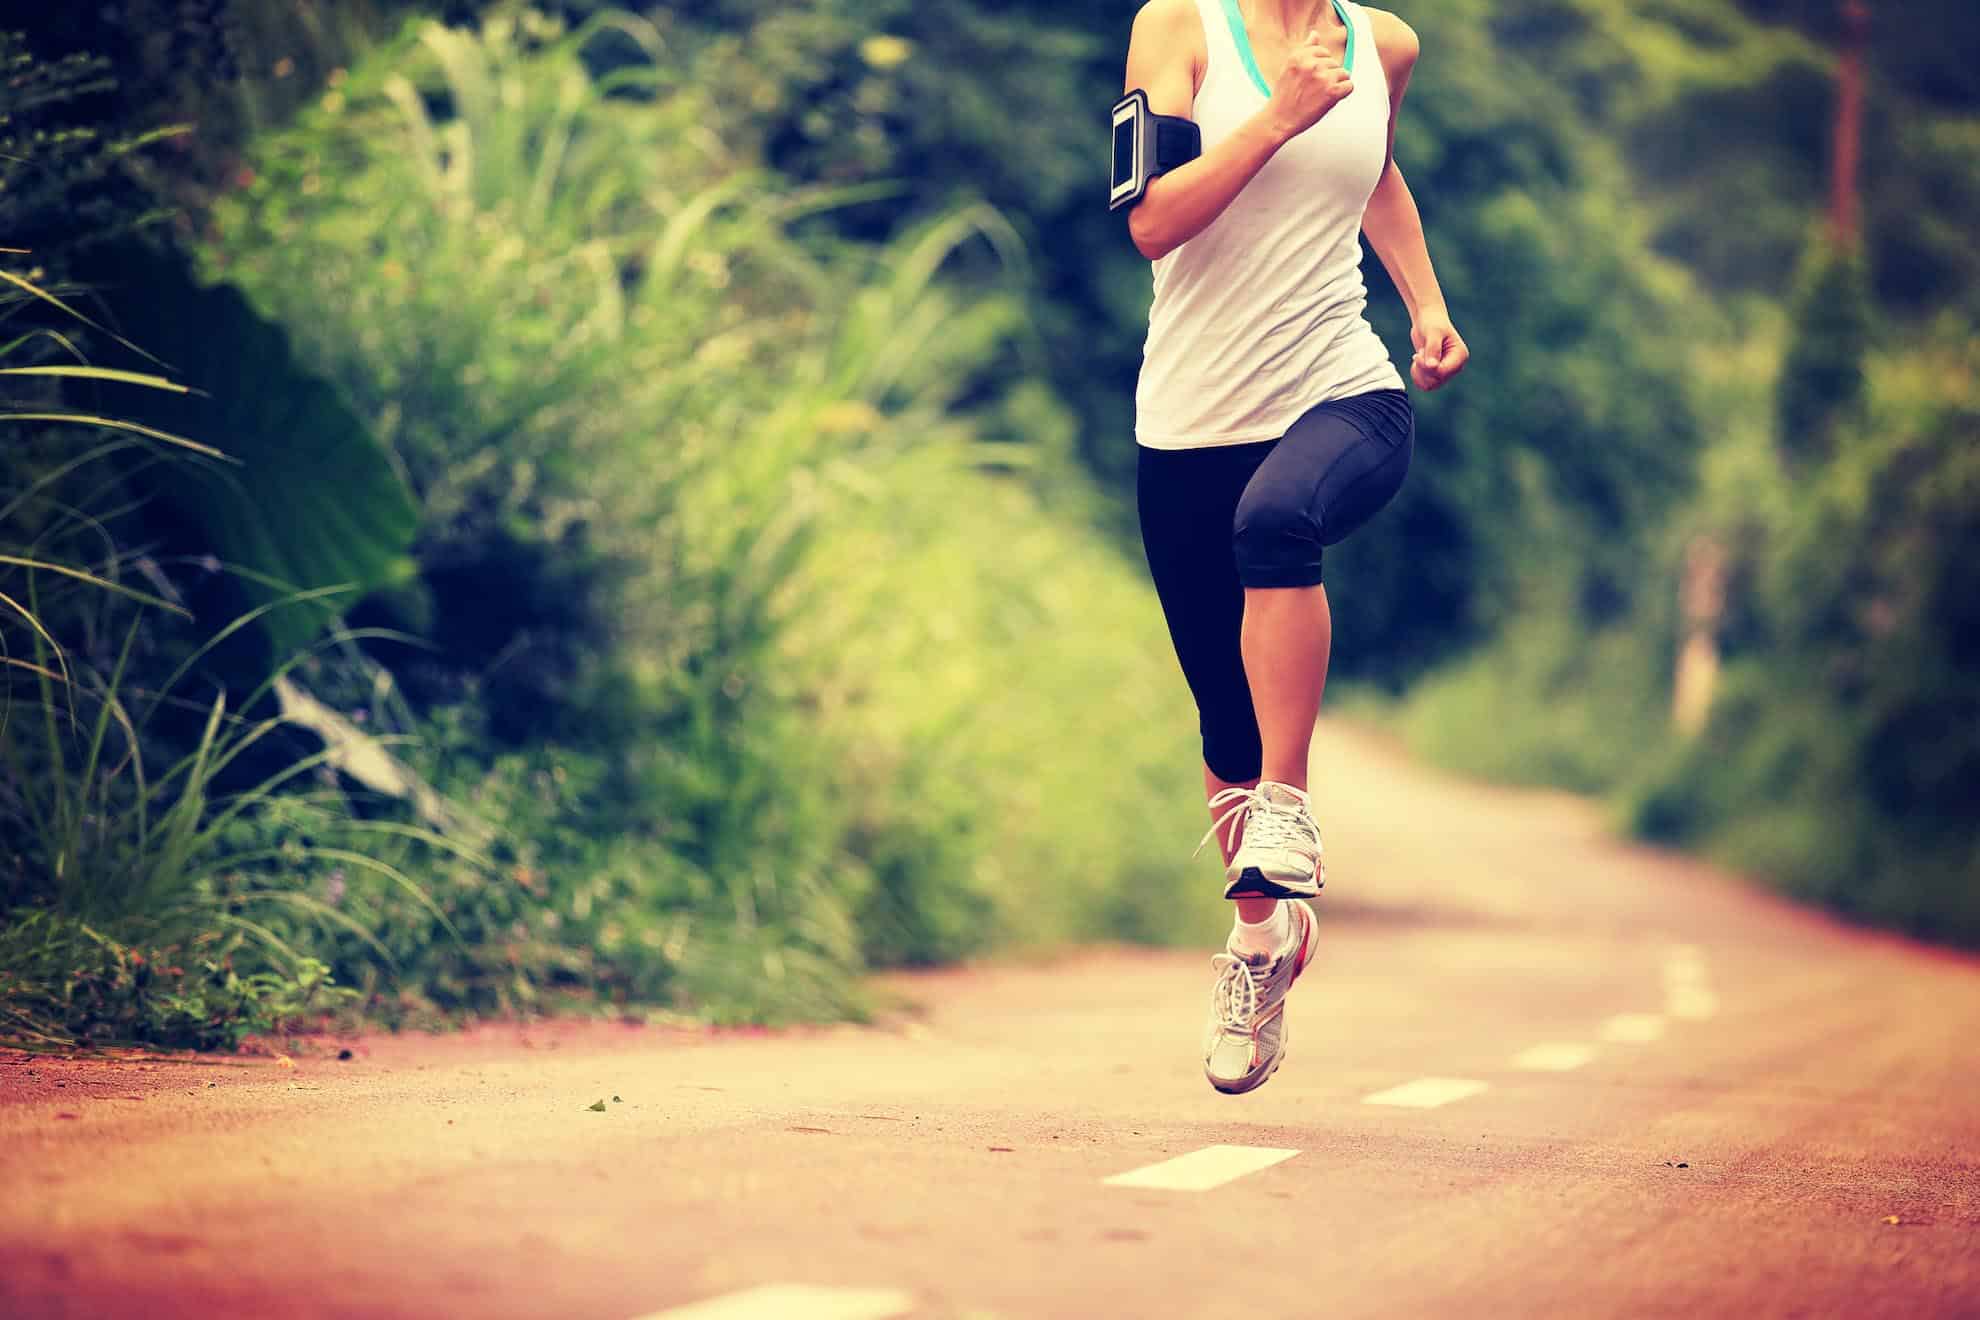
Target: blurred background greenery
x,y
627,509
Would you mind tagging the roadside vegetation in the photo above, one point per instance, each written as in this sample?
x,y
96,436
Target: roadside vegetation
x,y
515,509
721,657
1819,558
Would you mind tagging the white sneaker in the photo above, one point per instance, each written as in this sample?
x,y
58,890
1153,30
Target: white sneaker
x,y
1280,854
1246,1039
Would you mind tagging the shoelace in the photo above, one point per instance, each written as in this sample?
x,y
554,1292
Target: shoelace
x,y
1266,823
1234,998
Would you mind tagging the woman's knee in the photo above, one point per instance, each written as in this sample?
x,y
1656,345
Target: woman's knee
x,y
1276,539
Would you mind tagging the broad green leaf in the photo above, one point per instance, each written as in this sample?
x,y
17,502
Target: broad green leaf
x,y
311,500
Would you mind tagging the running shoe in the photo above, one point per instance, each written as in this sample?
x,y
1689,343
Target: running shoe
x,y
1279,856
1246,1039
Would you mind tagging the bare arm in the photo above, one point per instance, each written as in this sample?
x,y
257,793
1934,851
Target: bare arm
x,y
1165,57
1395,228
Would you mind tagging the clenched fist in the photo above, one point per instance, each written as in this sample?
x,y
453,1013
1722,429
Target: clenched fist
x,y
1312,83
1440,353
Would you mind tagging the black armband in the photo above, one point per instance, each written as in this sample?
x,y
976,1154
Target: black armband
x,y
1147,144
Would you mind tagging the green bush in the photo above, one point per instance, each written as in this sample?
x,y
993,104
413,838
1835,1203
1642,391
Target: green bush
x,y
1842,758
1821,382
62,981
1549,702
757,663
126,787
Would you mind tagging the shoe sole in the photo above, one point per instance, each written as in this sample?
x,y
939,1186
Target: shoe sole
x,y
1285,1029
1254,883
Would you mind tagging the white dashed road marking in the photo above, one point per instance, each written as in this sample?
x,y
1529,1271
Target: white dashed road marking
x,y
1555,1056
794,1301
1686,994
1200,1170
1634,1028
1425,1093
1691,1002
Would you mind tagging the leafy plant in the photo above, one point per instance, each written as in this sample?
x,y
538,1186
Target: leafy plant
x,y
118,831
308,508
625,377
62,981
1821,385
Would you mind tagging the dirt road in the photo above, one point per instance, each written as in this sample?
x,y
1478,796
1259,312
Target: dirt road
x,y
1536,1072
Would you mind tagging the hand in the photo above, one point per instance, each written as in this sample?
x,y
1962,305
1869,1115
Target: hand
x,y
1440,353
1312,83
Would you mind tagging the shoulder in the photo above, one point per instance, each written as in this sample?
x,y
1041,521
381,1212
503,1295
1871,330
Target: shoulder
x,y
1396,40
1168,43
1173,24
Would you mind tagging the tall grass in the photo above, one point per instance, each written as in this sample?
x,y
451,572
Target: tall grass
x,y
828,682
135,852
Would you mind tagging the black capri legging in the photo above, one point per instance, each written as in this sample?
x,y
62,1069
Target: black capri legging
x,y
1217,520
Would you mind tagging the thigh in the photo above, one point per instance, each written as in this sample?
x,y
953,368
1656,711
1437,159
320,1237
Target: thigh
x,y
1341,463
1187,499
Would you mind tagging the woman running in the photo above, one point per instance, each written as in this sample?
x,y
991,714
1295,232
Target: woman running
x,y
1271,422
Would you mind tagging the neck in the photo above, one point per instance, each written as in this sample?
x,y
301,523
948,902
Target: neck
x,y
1298,17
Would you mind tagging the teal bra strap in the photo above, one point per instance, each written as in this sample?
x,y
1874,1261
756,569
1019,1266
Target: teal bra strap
x,y
1243,40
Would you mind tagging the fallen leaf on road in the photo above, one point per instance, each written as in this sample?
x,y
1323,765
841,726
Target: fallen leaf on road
x,y
1892,1219
617,1101
284,1061
596,1106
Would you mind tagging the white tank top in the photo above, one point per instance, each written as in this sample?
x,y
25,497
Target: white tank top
x,y
1259,317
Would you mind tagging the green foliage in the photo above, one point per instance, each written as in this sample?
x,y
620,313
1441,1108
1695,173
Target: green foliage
x,y
136,810
1840,760
61,982
64,176
712,383
1853,731
105,850
92,88
1532,247
1551,702
674,463
1821,381
1930,49
506,218
1724,115
306,509
1571,436
1842,730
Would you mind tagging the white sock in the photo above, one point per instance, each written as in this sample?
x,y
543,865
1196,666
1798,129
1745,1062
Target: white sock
x,y
1267,936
